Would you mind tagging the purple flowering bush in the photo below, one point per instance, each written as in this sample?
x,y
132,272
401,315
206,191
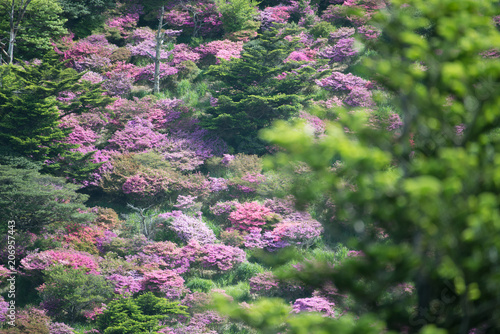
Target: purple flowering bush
x,y
222,257
188,228
166,282
314,304
251,215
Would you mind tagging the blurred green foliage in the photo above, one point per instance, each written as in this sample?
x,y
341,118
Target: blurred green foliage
x,y
432,188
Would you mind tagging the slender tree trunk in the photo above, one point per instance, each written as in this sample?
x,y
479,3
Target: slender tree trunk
x,y
159,43
14,23
12,35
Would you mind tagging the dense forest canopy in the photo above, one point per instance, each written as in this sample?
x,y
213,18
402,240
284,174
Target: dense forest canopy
x,y
236,166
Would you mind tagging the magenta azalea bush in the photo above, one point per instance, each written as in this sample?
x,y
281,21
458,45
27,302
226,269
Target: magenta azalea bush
x,y
314,304
222,257
250,215
188,228
168,282
37,262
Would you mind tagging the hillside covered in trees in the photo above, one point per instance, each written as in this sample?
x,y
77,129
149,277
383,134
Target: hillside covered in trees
x,y
243,166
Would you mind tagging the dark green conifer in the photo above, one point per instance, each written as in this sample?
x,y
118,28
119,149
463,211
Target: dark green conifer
x,y
258,88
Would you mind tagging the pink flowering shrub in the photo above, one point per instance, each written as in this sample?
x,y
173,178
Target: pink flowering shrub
x,y
125,285
146,73
300,234
343,82
147,183
254,239
78,51
92,77
369,32
182,52
4,272
60,328
188,228
342,51
188,149
218,184
141,34
359,97
342,32
4,308
264,284
314,304
168,282
37,262
272,15
82,238
281,206
221,49
81,136
93,62
354,90
395,122
201,323
297,56
315,122
91,315
250,215
221,208
232,237
138,135
122,24
222,257
195,18
143,43
161,113
118,83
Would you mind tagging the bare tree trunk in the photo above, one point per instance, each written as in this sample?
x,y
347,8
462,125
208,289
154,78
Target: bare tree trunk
x,y
159,43
14,23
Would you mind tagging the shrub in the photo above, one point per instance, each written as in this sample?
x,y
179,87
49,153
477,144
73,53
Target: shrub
x,y
250,215
125,285
141,315
66,293
246,270
236,14
30,320
200,284
166,282
314,304
188,228
264,284
60,328
37,262
222,257
34,200
232,237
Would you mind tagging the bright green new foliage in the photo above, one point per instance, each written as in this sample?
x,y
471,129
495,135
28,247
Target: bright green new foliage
x,y
237,14
139,315
41,26
433,187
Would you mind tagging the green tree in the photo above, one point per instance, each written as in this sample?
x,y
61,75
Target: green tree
x,y
73,290
251,95
34,29
433,189
237,14
30,110
34,200
139,315
84,16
